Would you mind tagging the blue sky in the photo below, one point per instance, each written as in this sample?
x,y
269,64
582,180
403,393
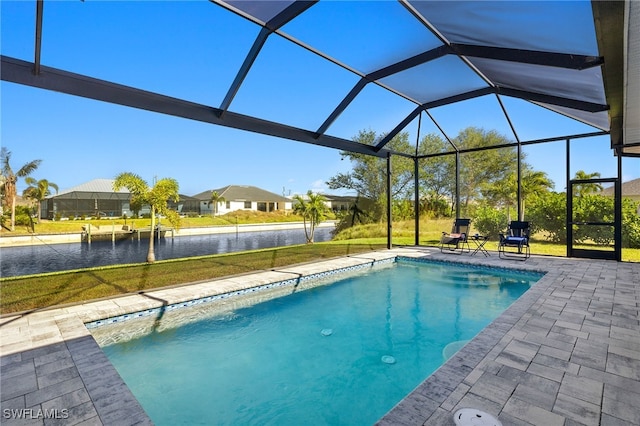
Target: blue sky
x,y
193,50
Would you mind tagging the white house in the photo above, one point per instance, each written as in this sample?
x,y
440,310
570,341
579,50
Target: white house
x,y
340,202
242,197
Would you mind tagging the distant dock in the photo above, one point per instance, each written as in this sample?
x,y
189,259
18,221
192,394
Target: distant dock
x,y
109,232
121,232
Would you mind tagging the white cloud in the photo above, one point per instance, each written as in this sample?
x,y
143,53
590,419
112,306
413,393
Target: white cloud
x,y
318,185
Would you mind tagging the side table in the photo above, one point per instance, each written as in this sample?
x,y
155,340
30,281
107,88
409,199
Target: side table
x,y
480,241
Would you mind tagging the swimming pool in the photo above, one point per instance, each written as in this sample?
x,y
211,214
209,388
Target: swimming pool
x,y
343,353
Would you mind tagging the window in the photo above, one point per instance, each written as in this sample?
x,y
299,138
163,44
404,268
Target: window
x,y
228,205
247,204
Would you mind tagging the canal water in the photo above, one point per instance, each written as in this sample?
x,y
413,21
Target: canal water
x,y
25,260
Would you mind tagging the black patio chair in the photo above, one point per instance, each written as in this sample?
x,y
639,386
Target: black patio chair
x,y
515,243
456,240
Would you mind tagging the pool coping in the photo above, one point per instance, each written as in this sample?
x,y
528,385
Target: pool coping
x,y
50,360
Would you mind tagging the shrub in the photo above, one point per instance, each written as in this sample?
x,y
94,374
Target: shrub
x,y
630,224
435,207
402,210
23,216
593,208
489,221
547,215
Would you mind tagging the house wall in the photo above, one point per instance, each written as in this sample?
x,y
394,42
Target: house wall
x,y
73,207
231,206
112,205
338,205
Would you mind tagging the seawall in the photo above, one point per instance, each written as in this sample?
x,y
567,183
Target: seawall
x,y
35,239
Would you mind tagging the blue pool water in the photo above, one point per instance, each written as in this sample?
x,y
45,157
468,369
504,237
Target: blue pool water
x,y
339,354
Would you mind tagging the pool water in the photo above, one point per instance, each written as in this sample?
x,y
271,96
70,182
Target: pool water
x,y
339,354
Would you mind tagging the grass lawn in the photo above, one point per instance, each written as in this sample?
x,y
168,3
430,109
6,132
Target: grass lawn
x,y
46,290
75,226
431,230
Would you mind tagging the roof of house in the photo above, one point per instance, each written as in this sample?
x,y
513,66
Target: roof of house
x,y
242,193
100,186
340,198
95,185
630,188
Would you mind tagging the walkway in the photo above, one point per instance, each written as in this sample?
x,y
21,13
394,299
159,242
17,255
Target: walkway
x,y
566,353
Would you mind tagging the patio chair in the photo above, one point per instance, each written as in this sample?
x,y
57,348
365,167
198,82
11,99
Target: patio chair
x,y
515,244
456,240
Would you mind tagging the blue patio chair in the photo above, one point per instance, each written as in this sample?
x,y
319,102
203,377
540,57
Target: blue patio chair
x,y
456,240
515,244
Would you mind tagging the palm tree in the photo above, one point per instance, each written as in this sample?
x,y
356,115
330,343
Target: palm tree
x,y
37,191
534,183
156,197
215,200
313,209
581,189
10,179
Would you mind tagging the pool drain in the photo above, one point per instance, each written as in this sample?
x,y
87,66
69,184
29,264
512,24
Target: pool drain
x,y
326,332
474,417
388,359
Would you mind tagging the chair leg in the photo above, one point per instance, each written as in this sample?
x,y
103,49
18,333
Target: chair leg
x,y
454,247
523,253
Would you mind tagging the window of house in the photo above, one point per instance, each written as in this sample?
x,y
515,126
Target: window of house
x,y
247,204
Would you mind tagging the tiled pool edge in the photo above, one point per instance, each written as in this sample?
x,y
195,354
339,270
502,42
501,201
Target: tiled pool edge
x,y
46,340
566,353
424,402
52,366
292,282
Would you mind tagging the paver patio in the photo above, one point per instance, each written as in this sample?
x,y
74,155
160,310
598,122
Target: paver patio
x,y
566,353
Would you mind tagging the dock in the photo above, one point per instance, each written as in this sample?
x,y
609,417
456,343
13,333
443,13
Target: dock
x,y
121,232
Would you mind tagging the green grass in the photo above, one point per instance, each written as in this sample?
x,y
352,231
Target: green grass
x,y
431,230
240,217
46,290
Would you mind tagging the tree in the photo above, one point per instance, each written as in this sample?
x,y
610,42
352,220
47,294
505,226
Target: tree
x,y
436,175
368,176
535,183
312,209
504,192
155,197
215,200
10,179
479,169
37,191
580,189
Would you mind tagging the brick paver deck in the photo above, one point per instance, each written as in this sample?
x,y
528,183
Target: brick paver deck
x,y
566,353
